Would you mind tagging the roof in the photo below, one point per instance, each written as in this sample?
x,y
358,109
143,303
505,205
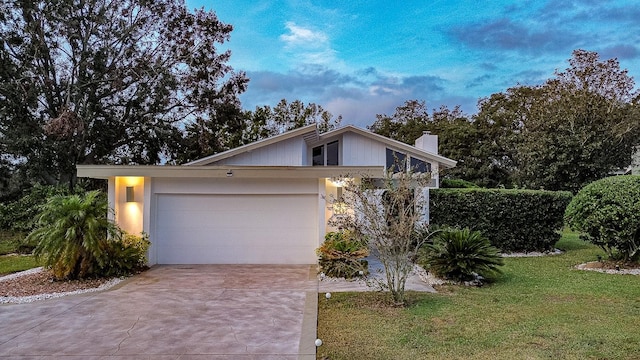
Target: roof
x,y
305,131
310,134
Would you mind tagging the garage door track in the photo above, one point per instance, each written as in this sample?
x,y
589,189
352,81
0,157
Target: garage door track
x,y
174,312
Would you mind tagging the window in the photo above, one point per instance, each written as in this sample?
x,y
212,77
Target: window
x,y
419,166
396,161
332,154
318,155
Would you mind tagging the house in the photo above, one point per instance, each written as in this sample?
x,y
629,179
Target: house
x,y
261,203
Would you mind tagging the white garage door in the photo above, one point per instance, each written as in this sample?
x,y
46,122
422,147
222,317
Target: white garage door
x,y
236,229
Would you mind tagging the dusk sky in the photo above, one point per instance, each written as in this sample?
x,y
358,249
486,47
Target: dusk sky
x,y
362,58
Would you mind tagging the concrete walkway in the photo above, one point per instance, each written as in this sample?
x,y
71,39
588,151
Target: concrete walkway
x,y
174,312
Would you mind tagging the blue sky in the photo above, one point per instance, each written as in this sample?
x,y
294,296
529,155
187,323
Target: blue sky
x,y
361,58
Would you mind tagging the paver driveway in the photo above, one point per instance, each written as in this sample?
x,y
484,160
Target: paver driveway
x,y
174,312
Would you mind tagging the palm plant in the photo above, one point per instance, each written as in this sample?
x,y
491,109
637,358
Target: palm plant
x,y
72,233
461,255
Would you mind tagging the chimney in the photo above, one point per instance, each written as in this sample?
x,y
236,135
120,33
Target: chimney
x,y
427,142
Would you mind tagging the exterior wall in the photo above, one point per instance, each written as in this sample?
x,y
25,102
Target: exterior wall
x,y
361,151
291,152
128,215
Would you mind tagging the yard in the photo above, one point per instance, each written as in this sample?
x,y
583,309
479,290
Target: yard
x,y
541,308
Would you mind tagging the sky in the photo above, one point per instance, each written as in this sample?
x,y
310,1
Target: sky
x,y
359,58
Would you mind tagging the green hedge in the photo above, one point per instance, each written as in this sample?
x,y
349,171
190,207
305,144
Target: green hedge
x,y
513,220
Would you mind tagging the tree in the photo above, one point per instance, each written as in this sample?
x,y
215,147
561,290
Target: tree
x,y
266,121
389,216
71,234
108,82
575,128
407,124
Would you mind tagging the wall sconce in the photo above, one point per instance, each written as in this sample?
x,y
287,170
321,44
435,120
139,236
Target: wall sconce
x,y
229,173
129,194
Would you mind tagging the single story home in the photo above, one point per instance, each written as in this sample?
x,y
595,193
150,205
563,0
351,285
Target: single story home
x,y
261,203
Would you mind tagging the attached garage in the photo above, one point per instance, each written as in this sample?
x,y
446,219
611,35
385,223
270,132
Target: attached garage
x,y
236,228
235,221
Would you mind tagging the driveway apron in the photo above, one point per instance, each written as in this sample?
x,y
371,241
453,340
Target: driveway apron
x,y
174,312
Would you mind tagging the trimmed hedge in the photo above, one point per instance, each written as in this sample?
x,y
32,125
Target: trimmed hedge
x,y
513,220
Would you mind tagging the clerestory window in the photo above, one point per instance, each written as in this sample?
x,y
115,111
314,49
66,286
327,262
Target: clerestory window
x,y
326,154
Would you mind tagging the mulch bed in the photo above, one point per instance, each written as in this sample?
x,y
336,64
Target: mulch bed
x,y
43,283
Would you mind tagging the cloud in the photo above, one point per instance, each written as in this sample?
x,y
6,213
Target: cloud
x,y
300,36
619,51
357,96
478,81
306,46
504,34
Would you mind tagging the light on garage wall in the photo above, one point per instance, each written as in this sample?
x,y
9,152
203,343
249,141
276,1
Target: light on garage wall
x,y
130,196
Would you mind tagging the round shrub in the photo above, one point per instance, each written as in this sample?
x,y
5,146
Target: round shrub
x,y
607,211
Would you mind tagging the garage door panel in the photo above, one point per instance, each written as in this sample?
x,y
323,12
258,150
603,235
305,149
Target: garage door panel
x,y
228,229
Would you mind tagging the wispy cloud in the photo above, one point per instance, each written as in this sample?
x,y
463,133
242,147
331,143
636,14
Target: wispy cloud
x,y
299,36
307,46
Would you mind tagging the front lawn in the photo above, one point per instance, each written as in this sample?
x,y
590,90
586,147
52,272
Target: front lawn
x,y
541,308
14,263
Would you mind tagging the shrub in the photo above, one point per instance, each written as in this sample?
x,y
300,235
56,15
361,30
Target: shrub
x,y
124,255
457,184
71,234
342,255
512,220
76,240
608,212
461,255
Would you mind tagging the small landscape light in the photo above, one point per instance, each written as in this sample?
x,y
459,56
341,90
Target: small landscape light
x,y
617,267
361,273
318,342
328,296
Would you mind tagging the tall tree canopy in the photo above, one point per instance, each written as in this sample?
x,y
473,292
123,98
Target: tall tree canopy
x,y
90,81
577,127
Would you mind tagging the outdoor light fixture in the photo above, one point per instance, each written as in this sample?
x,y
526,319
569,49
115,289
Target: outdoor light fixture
x,y
129,194
229,173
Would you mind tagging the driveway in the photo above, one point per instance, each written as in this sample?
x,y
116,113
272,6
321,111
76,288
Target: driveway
x,y
174,312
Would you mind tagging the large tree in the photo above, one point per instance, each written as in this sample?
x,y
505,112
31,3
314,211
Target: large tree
x,y
92,81
575,128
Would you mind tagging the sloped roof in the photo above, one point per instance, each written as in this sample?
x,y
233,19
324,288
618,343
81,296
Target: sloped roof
x,y
309,130
310,134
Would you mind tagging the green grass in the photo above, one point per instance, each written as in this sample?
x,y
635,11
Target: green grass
x,y
9,242
540,308
14,263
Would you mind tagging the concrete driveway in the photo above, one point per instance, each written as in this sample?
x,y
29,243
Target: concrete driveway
x,y
174,312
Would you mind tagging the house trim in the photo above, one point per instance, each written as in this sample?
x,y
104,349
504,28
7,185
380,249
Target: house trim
x,y
227,171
